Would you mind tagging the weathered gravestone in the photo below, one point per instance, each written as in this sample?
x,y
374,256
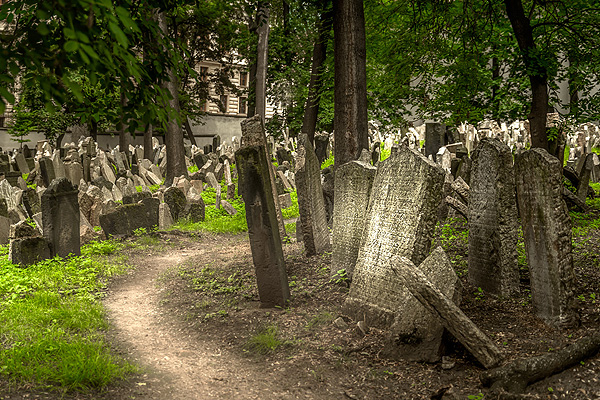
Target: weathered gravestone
x,y
176,200
4,222
435,134
493,219
416,334
354,181
406,193
253,134
47,170
547,233
255,185
322,146
125,219
60,218
26,246
584,176
315,232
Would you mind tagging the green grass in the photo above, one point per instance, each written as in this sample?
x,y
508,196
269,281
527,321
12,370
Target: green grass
x,y
51,321
329,162
290,228
192,168
293,211
265,340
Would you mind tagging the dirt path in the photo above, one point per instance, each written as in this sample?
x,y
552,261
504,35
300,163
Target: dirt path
x,y
177,364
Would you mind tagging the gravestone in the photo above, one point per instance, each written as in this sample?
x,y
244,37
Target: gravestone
x,y
322,146
354,181
315,232
60,218
176,200
124,219
216,142
406,192
47,170
584,176
416,334
165,220
253,134
492,219
26,246
435,134
4,222
228,182
255,186
547,234
22,163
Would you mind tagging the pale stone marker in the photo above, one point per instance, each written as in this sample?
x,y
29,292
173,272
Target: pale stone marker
x,y
406,193
60,218
353,183
315,232
22,163
547,233
255,185
493,219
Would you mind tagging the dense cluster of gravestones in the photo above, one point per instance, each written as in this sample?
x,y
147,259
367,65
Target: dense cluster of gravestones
x,y
382,220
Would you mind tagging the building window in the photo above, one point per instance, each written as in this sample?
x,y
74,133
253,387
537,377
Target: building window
x,y
223,103
242,105
243,79
204,74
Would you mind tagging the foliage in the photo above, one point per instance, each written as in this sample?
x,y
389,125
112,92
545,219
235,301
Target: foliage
x,y
265,340
329,162
51,321
293,211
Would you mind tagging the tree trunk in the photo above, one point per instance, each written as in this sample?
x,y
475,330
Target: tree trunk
x,y
538,77
188,130
262,18
148,150
311,110
123,133
350,97
174,134
515,376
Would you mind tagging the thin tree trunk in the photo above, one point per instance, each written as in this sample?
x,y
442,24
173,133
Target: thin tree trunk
x,y
538,80
148,150
174,134
350,117
123,133
188,130
262,18
311,110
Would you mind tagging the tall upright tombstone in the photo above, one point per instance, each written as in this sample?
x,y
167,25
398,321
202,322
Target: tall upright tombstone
x,y
401,219
255,186
435,137
353,183
547,232
60,218
492,219
315,231
253,134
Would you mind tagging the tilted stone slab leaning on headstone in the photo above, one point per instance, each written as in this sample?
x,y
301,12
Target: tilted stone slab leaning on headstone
x,y
401,220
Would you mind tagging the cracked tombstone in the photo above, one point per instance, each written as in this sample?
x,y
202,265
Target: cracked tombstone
x,y
315,232
255,185
547,233
406,193
492,219
60,218
353,183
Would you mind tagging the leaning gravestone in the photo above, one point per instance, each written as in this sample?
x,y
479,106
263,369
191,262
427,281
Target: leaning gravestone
x,y
253,134
315,231
406,193
255,186
417,334
547,232
60,218
492,219
353,183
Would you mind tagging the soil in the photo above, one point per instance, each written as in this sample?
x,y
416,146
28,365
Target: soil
x,y
188,314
